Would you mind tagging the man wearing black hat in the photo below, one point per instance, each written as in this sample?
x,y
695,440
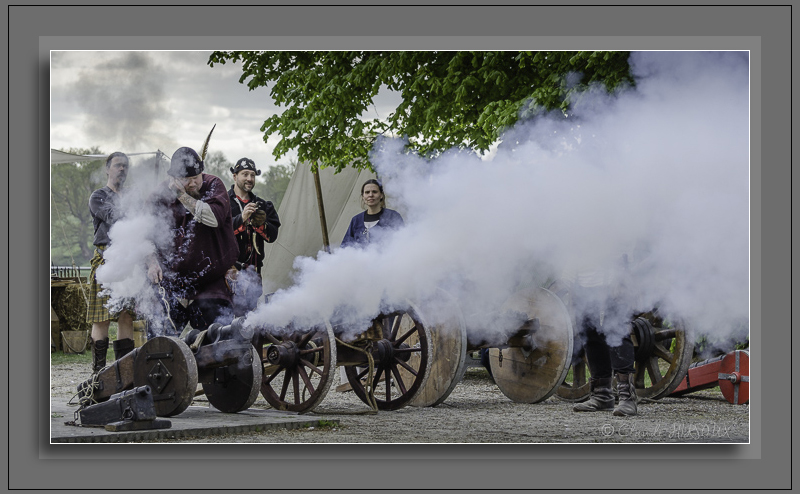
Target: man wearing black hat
x,y
255,221
192,267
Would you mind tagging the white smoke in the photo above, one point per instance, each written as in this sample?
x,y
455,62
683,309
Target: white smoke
x,y
134,237
659,172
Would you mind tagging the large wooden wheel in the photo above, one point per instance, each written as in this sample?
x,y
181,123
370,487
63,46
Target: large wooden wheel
x,y
663,355
402,361
448,351
235,387
298,368
576,385
664,350
167,365
531,375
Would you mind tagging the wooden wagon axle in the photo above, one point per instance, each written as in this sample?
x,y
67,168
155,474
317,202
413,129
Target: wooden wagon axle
x,y
522,337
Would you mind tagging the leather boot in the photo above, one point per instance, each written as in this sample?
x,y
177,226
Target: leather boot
x,y
99,349
601,397
627,396
122,348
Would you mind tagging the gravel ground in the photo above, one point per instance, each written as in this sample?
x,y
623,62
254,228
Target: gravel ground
x,y
478,412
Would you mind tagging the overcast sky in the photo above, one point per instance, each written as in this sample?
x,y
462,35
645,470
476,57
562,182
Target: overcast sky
x,y
143,101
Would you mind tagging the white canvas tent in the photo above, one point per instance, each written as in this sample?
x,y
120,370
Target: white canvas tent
x,y
300,233
57,157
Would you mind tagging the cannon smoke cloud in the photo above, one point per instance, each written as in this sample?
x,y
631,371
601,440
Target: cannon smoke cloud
x,y
659,172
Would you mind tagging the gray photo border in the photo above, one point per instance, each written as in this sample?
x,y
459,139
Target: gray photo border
x,y
34,30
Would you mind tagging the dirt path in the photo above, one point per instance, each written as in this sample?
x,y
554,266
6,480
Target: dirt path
x,y
478,412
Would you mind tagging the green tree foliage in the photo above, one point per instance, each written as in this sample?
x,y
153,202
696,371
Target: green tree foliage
x,y
71,229
449,99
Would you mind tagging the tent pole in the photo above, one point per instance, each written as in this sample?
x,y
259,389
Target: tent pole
x,y
323,224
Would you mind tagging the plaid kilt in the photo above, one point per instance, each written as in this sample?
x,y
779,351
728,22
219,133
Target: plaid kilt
x,y
96,310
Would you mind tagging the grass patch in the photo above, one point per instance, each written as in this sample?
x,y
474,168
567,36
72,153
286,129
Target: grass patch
x,y
59,357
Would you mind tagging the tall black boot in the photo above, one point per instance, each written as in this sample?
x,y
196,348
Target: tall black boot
x,y
99,349
601,398
627,396
122,348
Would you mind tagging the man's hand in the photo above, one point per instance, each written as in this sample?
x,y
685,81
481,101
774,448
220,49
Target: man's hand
x,y
154,273
248,210
177,186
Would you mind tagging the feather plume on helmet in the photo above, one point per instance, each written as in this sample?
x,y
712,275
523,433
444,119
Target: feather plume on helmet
x,y
204,147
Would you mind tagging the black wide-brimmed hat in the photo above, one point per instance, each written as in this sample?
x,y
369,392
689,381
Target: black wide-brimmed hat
x,y
245,164
185,163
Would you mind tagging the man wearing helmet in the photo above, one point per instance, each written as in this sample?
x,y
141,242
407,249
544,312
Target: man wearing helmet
x,y
255,221
192,264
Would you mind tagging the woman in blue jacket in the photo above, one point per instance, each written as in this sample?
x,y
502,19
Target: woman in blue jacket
x,y
371,225
368,227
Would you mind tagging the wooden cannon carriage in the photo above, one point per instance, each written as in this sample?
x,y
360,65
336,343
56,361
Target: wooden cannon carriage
x,y
556,363
293,369
529,356
222,360
663,349
387,365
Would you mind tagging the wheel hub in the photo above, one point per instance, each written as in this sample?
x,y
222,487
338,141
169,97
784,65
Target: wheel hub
x,y
645,339
284,355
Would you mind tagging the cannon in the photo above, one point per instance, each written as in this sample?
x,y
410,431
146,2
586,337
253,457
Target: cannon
x,y
528,365
731,372
386,365
222,359
663,349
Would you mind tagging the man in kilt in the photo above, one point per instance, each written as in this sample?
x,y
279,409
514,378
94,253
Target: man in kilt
x,y
105,211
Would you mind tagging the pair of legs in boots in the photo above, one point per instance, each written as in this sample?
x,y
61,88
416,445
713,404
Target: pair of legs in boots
x,y
604,363
122,346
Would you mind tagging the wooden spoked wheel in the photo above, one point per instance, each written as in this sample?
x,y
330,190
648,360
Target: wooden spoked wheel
x,y
402,361
298,368
664,350
448,351
235,387
532,375
576,386
167,365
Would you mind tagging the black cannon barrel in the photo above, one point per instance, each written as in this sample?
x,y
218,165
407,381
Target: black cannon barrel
x,y
236,330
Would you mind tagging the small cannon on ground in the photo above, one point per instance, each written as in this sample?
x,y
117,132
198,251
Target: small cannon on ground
x,y
222,359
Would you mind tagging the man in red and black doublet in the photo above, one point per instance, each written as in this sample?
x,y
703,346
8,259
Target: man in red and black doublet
x,y
255,222
202,249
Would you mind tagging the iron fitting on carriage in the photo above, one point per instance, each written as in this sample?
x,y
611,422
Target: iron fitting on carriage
x,y
285,354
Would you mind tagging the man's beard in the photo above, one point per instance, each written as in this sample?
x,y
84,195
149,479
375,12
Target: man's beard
x,y
195,194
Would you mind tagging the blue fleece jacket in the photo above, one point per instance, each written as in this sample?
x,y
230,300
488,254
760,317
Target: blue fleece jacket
x,y
357,233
